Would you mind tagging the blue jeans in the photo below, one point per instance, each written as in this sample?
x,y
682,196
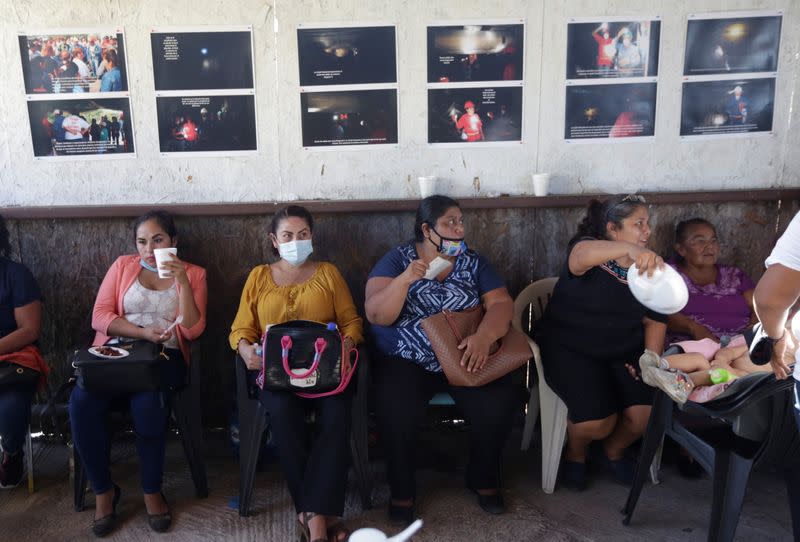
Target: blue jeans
x,y
15,415
87,415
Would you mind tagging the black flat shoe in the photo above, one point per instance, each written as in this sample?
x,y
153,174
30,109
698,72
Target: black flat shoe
x,y
491,504
573,475
402,516
103,526
160,522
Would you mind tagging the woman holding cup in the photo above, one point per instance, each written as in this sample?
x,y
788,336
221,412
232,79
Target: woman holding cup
x,y
136,301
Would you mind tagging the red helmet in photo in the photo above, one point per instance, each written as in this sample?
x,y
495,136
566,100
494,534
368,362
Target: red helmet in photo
x,y
469,104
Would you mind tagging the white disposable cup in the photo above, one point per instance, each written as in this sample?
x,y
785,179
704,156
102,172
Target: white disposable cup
x,y
541,184
161,257
427,185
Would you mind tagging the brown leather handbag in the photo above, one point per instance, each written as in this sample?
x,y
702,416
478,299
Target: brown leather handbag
x,y
447,329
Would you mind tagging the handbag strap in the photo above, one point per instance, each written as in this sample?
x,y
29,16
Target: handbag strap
x,y
286,345
342,385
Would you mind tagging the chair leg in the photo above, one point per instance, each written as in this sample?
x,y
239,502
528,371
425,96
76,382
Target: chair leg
x,y
29,452
359,437
79,482
651,442
655,466
191,431
554,429
731,472
530,418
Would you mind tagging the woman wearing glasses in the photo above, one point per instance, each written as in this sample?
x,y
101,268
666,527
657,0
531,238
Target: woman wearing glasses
x,y
593,333
720,296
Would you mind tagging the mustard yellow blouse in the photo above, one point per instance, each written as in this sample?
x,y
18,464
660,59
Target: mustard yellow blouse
x,y
324,297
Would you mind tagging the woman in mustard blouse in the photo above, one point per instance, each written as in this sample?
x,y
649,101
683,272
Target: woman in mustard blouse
x,y
296,288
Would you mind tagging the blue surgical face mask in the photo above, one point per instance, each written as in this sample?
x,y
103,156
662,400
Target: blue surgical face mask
x,y
148,266
448,246
296,252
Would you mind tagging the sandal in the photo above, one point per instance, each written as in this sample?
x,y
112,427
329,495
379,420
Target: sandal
x,y
338,532
303,530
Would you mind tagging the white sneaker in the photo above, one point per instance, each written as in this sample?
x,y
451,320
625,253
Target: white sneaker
x,y
673,382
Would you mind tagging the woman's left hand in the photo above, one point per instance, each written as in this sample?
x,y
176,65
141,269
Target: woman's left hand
x,y
476,352
178,270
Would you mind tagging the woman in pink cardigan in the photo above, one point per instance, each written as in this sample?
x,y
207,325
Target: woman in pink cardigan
x,y
133,302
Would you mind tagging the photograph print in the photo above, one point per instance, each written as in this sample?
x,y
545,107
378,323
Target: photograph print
x,y
78,127
349,117
624,110
732,45
347,56
202,60
74,62
206,123
727,107
458,54
603,49
472,115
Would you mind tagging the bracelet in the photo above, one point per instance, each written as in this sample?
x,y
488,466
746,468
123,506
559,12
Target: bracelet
x,y
779,339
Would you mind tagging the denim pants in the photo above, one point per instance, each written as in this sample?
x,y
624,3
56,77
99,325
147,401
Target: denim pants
x,y
15,415
149,411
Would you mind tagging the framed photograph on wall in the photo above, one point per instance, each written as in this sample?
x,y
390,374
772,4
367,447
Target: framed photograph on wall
x,y
734,106
475,114
349,118
611,112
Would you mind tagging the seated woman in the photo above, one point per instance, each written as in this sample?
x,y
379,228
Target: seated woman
x,y
20,325
398,297
720,296
296,288
593,332
133,302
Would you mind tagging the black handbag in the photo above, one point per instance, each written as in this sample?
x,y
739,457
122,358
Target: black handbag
x,y
140,370
17,376
305,357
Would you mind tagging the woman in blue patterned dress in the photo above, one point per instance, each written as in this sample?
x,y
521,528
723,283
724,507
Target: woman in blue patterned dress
x,y
398,298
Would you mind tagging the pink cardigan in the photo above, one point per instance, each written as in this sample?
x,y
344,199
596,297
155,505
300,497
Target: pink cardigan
x,y
120,277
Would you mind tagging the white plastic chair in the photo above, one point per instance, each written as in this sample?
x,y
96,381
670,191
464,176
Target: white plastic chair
x,y
544,401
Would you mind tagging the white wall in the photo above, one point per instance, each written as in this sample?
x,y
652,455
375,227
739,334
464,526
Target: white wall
x,y
282,170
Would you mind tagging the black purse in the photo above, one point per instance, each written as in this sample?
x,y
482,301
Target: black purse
x,y
17,376
139,369
305,357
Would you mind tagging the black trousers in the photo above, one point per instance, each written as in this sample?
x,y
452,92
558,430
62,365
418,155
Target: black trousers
x,y
317,478
403,391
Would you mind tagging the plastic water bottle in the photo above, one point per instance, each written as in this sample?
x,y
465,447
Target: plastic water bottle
x,y
719,376
332,326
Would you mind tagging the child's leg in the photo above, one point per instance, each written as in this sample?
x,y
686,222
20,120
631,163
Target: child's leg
x,y
688,363
706,347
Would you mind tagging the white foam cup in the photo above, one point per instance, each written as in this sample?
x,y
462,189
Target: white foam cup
x,y
541,184
161,257
427,185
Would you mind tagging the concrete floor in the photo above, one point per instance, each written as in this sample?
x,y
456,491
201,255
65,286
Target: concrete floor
x,y
677,509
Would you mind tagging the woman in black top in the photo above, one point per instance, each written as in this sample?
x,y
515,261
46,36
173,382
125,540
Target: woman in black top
x,y
593,333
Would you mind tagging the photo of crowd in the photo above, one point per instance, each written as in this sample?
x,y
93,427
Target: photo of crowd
x,y
603,49
202,60
469,115
732,45
475,53
352,117
610,111
727,107
81,127
206,123
347,56
73,63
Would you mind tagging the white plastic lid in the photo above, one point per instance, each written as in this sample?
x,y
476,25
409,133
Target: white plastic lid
x,y
664,292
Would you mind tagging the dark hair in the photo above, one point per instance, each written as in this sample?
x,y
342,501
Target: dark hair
x,y
599,213
286,212
162,218
429,211
5,244
682,233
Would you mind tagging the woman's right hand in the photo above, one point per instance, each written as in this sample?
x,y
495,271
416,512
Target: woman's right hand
x,y
415,271
645,259
155,334
248,353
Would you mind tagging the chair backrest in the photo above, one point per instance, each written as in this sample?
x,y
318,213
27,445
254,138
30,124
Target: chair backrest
x,y
532,302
